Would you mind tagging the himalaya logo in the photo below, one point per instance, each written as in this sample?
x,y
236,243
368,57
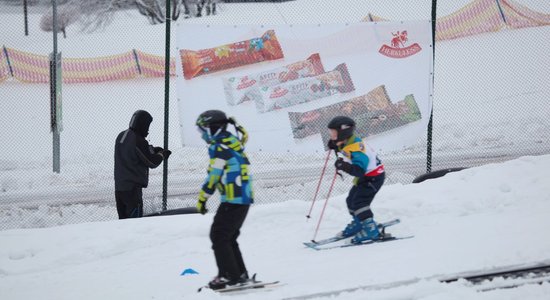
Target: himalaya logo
x,y
398,48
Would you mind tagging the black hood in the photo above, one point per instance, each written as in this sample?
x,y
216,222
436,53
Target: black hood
x,y
140,122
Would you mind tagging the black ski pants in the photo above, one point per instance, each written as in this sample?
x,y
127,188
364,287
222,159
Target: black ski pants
x,y
223,233
129,204
361,195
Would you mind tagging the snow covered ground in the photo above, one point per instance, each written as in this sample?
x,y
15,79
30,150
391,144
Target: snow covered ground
x,y
490,103
480,218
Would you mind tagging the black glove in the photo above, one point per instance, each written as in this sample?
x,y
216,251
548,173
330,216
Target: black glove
x,y
201,204
166,153
340,164
332,145
201,207
157,149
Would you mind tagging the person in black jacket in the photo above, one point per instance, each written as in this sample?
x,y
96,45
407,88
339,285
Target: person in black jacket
x,y
133,158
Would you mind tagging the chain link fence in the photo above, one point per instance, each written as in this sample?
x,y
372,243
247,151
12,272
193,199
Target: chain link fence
x,y
489,100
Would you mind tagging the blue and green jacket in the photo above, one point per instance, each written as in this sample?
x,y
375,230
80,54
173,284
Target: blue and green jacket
x,y
228,171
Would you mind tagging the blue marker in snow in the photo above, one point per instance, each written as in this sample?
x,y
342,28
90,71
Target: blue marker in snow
x,y
189,271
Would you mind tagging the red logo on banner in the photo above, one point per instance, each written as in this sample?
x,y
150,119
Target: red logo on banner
x,y
278,92
245,82
398,48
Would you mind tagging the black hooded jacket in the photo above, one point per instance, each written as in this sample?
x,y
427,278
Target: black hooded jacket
x,y
133,154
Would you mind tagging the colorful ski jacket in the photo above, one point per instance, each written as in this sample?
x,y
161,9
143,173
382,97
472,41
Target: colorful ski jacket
x,y
228,171
364,159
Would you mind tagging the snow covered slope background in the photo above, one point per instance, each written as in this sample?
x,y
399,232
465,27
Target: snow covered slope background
x,y
480,218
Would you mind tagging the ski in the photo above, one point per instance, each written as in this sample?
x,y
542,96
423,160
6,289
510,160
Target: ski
x,y
387,238
253,284
381,227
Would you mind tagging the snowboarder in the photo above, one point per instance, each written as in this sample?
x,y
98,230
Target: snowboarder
x,y
133,158
228,173
360,161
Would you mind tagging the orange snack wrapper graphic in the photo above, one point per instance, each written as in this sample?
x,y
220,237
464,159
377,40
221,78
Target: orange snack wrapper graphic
x,y
206,61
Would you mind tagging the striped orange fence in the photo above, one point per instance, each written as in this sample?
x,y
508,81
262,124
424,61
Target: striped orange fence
x,y
519,16
475,18
28,67
153,65
482,16
88,70
4,67
33,68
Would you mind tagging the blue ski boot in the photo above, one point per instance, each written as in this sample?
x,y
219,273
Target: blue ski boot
x,y
369,231
352,228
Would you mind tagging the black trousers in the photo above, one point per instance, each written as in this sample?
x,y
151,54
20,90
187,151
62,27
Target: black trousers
x,y
129,204
223,233
361,195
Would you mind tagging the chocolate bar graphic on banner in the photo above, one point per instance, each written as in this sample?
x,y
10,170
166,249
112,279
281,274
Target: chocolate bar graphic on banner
x,y
337,81
237,88
374,113
223,57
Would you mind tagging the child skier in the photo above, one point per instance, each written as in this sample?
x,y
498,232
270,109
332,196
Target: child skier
x,y
227,172
362,162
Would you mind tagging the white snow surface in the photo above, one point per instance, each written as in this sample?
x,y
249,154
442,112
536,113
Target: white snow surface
x,y
479,218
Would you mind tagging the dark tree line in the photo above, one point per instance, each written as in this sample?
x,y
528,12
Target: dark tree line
x,y
94,14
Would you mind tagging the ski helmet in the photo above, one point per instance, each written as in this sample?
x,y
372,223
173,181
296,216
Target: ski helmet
x,y
212,122
344,126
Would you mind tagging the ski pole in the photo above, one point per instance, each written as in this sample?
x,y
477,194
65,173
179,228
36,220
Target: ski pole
x,y
325,206
318,185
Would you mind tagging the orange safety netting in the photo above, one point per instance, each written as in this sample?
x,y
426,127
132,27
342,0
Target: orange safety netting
x,y
86,70
519,16
482,16
29,67
4,68
477,17
153,65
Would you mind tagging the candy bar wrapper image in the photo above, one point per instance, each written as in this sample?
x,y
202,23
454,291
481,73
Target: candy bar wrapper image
x,y
206,61
303,90
373,113
237,88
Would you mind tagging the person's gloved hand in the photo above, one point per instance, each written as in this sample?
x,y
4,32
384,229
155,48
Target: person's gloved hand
x,y
158,149
342,165
201,207
201,204
166,153
332,145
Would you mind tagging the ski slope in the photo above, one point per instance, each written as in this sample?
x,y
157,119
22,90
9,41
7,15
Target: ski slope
x,y
479,218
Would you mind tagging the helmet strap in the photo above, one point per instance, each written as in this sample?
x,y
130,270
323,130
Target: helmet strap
x,y
215,133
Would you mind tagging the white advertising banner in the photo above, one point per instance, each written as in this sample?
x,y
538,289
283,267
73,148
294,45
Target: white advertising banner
x,y
285,83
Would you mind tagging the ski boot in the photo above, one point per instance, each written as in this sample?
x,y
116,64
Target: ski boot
x,y
352,228
244,279
369,231
219,282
